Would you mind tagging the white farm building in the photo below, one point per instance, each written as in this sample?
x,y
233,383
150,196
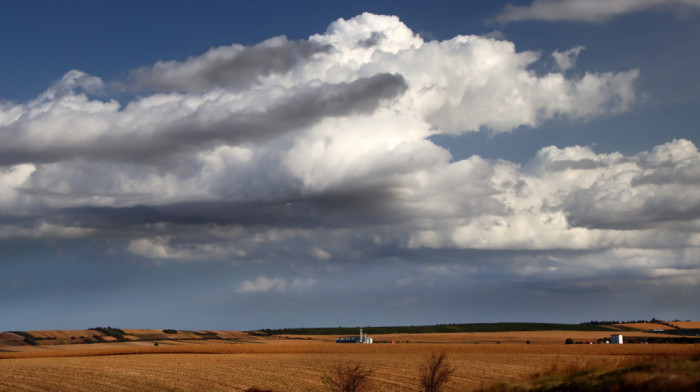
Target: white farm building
x,y
363,338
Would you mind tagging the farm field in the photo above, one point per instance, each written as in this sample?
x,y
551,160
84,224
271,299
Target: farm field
x,y
535,337
644,326
686,324
298,365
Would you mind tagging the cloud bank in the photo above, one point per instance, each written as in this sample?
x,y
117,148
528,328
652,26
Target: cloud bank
x,y
320,149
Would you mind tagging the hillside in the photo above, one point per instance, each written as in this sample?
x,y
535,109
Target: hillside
x,y
108,334
441,328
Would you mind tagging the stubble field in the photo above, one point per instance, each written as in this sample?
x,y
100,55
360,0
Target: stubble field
x,y
298,365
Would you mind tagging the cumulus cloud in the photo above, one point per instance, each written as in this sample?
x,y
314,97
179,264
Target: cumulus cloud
x,y
239,95
340,119
573,198
321,149
587,11
654,187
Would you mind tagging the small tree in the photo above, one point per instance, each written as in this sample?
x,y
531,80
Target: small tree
x,y
350,377
569,341
435,373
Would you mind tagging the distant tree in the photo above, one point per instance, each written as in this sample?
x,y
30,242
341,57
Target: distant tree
x,y
435,373
569,341
113,332
351,377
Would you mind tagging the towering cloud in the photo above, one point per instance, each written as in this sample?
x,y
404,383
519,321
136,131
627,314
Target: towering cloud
x,y
307,146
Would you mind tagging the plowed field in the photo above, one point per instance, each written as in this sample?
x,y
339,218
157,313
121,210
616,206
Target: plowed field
x,y
294,365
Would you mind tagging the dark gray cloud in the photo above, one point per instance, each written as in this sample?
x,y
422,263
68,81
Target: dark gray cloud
x,y
360,208
596,207
583,164
234,67
301,107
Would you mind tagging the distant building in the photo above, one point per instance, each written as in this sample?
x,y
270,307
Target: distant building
x,y
616,339
363,338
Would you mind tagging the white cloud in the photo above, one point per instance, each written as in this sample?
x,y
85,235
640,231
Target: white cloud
x,y
569,198
353,109
72,81
160,248
11,180
567,59
585,10
320,254
336,145
262,285
150,248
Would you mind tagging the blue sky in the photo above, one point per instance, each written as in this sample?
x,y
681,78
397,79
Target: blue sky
x,y
278,164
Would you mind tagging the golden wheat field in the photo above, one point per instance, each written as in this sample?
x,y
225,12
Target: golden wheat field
x,y
644,326
295,364
686,324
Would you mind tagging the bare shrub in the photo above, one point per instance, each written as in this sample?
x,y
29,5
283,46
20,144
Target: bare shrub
x,y
435,373
349,377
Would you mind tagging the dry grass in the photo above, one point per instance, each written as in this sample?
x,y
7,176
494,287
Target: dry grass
x,y
658,373
294,365
435,373
347,377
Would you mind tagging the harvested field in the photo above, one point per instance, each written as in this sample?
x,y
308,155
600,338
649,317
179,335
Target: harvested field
x,y
63,337
8,339
535,337
644,326
686,324
293,365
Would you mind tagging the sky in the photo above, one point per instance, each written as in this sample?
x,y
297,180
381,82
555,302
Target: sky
x,y
280,164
